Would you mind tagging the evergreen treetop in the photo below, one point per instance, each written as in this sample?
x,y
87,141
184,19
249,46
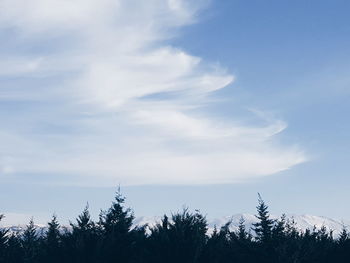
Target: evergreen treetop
x,y
263,228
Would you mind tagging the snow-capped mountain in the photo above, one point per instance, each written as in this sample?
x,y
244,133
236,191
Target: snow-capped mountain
x,y
302,222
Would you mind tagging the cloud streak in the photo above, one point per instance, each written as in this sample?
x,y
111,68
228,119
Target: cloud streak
x,y
89,88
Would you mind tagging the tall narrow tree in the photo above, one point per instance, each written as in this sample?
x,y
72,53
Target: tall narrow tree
x,y
242,233
52,241
30,243
263,228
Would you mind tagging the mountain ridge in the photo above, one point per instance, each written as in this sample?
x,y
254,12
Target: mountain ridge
x,y
302,222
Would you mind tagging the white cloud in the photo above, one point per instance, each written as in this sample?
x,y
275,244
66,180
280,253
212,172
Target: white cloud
x,y
106,99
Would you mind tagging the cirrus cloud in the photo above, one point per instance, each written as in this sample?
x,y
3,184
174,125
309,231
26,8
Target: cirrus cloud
x,y
89,88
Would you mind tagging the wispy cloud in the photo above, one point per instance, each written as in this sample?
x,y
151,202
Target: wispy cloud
x,y
89,88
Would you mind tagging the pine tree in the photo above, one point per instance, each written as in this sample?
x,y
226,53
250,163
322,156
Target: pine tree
x,y
241,244
278,230
343,248
84,237
53,232
242,233
117,219
187,235
52,241
14,250
291,229
263,228
116,232
30,243
181,239
344,235
84,222
287,240
159,241
218,247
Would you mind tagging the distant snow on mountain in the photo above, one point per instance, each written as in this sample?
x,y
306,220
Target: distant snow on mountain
x,y
302,222
40,229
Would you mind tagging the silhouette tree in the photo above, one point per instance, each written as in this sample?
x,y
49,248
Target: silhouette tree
x,y
158,249
242,233
84,237
187,233
115,225
30,243
180,240
52,241
343,248
14,251
263,228
218,248
344,235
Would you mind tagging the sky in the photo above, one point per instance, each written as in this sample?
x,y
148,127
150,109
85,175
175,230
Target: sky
x,y
182,103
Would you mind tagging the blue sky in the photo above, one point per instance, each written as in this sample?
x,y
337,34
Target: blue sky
x,y
181,103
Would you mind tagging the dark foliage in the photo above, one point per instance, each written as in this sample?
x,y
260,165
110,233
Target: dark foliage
x,y
181,238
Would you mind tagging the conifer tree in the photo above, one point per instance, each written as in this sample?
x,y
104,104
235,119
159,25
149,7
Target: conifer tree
x,y
263,228
116,226
84,222
180,239
344,235
14,250
218,247
52,241
30,243
187,234
84,237
242,233
283,240
343,248
291,229
159,241
117,219
278,229
53,232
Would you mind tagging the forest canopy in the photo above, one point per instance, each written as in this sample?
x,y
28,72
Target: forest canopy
x,y
181,237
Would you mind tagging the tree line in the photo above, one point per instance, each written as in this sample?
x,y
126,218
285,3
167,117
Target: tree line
x,y
182,238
